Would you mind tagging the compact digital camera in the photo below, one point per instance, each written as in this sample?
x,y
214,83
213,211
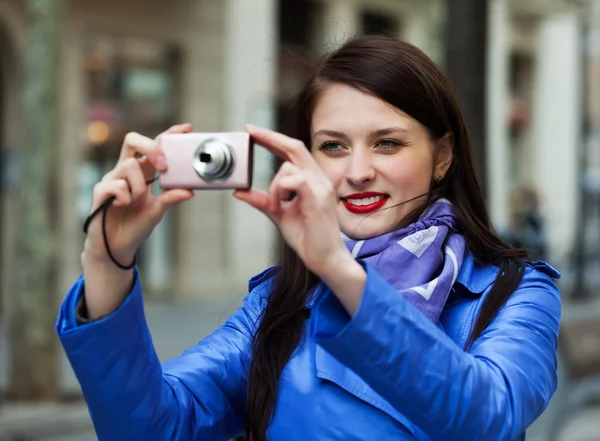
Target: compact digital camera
x,y
205,161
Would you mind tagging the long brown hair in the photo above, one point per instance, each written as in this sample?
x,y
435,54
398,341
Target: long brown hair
x,y
403,76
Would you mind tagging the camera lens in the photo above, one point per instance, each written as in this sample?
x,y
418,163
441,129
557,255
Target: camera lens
x,y
213,160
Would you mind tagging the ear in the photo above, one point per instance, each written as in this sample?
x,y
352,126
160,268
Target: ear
x,y
444,155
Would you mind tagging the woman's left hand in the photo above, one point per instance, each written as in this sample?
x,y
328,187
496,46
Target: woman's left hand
x,y
308,222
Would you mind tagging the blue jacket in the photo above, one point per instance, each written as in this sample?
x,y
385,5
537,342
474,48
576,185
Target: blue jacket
x,y
388,373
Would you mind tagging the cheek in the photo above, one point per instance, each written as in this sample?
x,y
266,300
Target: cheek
x,y
408,176
333,169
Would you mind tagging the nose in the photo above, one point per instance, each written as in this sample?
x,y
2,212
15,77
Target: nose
x,y
360,168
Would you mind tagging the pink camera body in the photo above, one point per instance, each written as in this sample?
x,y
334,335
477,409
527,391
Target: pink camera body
x,y
207,161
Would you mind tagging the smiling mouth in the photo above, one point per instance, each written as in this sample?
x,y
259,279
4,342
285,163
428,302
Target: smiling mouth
x,y
366,204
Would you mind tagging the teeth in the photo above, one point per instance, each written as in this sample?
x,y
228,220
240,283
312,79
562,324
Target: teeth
x,y
364,201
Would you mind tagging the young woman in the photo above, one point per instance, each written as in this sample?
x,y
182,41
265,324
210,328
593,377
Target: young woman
x,y
394,313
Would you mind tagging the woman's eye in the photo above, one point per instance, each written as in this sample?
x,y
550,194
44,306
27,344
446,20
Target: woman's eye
x,y
389,144
331,147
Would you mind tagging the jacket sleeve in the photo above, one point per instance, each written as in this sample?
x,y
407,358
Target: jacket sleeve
x,y
199,395
495,391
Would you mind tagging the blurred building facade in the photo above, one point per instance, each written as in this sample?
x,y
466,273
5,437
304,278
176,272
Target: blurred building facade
x,y
535,112
144,65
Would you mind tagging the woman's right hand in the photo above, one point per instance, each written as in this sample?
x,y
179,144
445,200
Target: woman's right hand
x,y
133,215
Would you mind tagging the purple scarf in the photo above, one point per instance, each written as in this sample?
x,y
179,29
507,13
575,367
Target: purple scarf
x,y
421,261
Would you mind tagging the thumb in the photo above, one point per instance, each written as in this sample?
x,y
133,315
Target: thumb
x,y
256,199
168,198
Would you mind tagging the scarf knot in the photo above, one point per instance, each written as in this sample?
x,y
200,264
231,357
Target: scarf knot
x,y
422,260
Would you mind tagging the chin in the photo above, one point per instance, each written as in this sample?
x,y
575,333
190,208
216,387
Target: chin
x,y
365,231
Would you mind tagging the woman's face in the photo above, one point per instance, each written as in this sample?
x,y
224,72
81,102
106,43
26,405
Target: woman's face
x,y
377,157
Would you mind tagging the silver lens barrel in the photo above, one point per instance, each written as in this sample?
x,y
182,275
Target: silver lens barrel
x,y
213,160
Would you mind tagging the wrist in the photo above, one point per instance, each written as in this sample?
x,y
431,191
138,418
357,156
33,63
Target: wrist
x,y
106,285
347,279
100,257
100,261
344,267
339,262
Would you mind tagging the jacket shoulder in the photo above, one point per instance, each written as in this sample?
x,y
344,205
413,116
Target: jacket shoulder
x,y
262,283
464,304
545,268
538,287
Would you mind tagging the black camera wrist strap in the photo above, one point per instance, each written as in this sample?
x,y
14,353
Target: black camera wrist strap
x,y
104,209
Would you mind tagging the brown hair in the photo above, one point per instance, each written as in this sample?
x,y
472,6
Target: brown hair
x,y
403,76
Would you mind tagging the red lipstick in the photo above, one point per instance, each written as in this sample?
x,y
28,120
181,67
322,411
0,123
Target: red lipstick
x,y
366,208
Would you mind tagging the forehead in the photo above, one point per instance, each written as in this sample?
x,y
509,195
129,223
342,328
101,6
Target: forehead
x,y
341,107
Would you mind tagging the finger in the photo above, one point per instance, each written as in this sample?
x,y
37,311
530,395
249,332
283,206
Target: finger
x,y
156,158
114,187
131,170
282,193
148,170
255,198
289,149
136,145
139,146
178,128
275,194
287,168
168,198
274,206
297,186
279,199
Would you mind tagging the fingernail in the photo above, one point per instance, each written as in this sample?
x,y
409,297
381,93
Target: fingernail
x,y
161,162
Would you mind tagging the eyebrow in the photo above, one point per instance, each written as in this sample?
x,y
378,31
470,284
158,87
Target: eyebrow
x,y
373,134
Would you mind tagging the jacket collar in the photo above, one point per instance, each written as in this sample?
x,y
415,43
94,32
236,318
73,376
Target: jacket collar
x,y
476,277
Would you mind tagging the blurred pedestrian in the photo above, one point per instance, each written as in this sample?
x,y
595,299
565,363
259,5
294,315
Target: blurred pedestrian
x,y
527,229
